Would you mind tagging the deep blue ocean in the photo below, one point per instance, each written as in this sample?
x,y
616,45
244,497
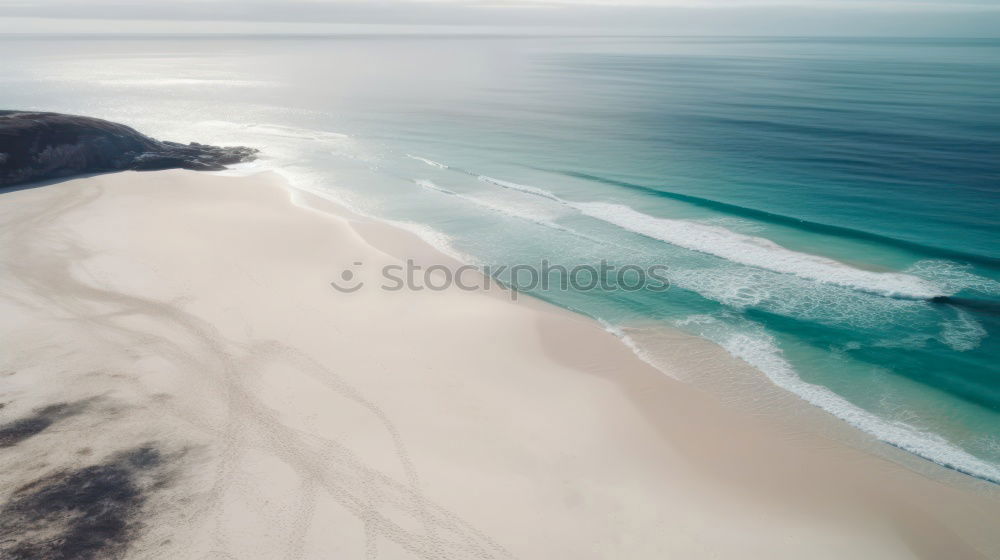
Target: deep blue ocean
x,y
828,209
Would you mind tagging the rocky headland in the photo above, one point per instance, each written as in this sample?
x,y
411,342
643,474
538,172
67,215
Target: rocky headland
x,y
35,146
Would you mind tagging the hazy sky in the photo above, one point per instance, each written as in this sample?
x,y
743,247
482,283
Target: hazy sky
x,y
971,18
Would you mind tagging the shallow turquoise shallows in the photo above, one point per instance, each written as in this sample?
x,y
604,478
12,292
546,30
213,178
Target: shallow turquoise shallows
x,y
826,209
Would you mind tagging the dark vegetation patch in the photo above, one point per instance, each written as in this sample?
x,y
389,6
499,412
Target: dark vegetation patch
x,y
19,430
88,513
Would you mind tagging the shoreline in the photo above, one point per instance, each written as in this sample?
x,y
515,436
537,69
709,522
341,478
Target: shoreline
x,y
517,417
820,419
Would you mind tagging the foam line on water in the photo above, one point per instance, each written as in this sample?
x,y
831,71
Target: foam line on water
x,y
504,210
528,189
430,185
760,350
493,207
429,162
955,277
963,333
759,252
790,221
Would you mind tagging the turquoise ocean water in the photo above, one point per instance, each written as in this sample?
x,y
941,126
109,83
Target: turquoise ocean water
x,y
828,209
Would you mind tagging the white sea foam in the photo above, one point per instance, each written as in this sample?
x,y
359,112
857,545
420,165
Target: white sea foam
x,y
743,287
429,185
963,333
759,252
636,349
732,286
736,224
523,188
955,277
439,240
501,208
303,184
757,348
429,162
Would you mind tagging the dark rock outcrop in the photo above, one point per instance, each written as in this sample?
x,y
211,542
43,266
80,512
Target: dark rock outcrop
x,y
39,146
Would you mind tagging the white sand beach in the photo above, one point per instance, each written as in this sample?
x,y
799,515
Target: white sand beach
x,y
174,337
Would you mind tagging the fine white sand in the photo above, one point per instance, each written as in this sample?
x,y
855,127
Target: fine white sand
x,y
175,360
